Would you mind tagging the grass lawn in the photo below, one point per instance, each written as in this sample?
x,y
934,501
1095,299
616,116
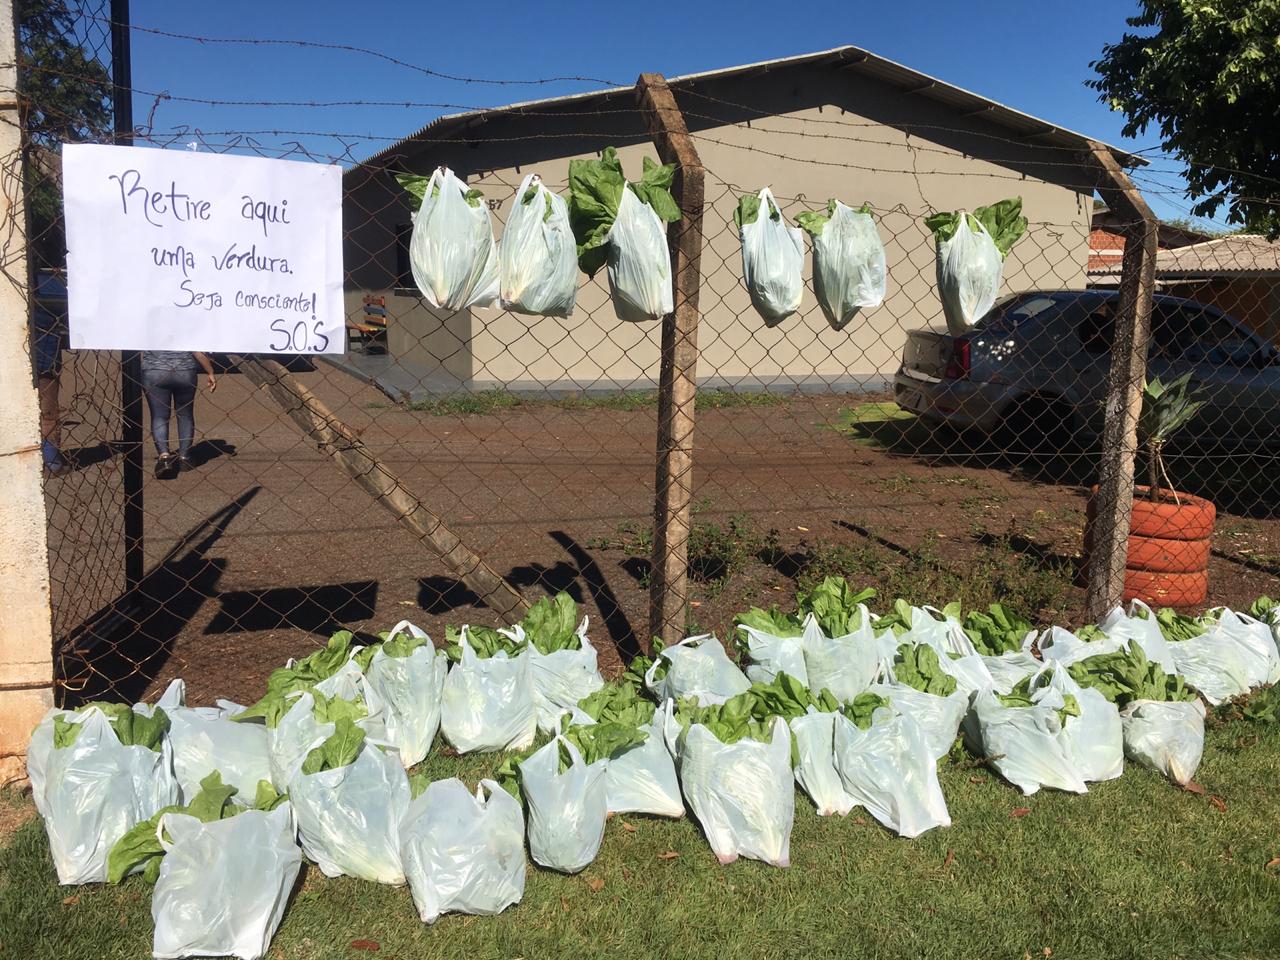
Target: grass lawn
x,y
1134,869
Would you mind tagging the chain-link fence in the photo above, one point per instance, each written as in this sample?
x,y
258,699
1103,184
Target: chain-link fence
x,y
933,467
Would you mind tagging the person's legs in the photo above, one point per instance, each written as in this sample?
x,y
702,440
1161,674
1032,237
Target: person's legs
x,y
184,402
159,400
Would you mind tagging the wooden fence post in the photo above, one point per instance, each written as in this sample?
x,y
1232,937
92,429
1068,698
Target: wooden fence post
x,y
332,436
1114,500
678,385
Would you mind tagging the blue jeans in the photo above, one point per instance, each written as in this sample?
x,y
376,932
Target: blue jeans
x,y
176,389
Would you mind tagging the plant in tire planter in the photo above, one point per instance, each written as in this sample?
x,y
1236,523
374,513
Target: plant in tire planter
x,y
1168,555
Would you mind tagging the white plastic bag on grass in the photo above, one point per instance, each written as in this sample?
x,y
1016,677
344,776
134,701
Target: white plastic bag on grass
x,y
463,853
1065,648
639,262
1214,663
695,667
223,886
956,652
891,771
1007,669
1167,737
969,269
410,690
1094,740
538,257
771,654
1253,658
488,702
815,762
1122,627
849,270
642,779
92,791
772,260
562,678
451,252
742,793
298,730
566,810
349,817
205,739
1025,743
846,665
937,717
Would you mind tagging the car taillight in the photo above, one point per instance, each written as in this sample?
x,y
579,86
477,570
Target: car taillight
x,y
958,368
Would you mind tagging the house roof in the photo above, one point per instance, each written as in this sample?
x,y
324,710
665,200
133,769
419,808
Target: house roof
x,y
864,62
1241,254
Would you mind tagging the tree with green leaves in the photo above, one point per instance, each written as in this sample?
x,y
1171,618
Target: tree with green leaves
x,y
69,100
1205,72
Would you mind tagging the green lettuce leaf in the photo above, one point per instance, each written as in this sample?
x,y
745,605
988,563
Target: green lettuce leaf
x,y
785,696
339,750
266,797
403,644
618,703
862,707
815,221
598,741
595,192
835,605
418,783
485,642
333,709
996,631
918,666
772,621
416,187
1003,221
552,625
1127,675
1175,626
728,722
1021,696
302,676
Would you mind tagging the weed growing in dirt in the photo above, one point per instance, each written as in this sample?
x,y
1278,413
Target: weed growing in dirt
x,y
465,404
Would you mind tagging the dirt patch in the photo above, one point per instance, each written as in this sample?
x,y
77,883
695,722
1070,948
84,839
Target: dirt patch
x,y
257,554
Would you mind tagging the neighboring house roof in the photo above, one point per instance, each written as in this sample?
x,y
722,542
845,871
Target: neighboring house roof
x,y
1238,255
1026,127
1241,254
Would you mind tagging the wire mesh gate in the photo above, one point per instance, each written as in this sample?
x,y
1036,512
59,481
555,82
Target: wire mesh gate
x,y
935,468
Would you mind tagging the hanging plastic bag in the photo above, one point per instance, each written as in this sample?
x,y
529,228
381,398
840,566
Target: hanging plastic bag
x,y
488,702
846,665
451,251
350,808
1025,743
463,853
537,258
742,793
889,769
1165,736
695,667
91,788
562,661
970,259
567,808
223,885
849,270
205,739
772,257
815,762
407,673
621,223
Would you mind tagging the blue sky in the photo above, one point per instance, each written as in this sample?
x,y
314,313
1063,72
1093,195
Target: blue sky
x,y
1032,55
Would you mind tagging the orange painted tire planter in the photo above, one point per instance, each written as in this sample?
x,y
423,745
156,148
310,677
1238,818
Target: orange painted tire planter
x,y
1167,563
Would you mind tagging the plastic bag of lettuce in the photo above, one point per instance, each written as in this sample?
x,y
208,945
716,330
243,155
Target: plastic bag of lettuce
x,y
488,698
849,270
95,773
735,771
619,222
537,258
772,257
562,660
971,248
1162,719
915,680
451,251
641,775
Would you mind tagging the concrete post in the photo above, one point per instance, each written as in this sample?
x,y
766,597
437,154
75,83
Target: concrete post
x,y
26,640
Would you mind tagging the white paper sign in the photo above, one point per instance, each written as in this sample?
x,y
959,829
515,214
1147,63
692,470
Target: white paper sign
x,y
175,250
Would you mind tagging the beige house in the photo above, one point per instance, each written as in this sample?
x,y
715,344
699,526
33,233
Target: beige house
x,y
842,124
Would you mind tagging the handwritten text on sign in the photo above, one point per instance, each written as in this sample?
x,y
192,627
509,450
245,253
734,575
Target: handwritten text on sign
x,y
174,250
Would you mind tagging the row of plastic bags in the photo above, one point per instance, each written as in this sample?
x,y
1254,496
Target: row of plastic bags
x,y
457,264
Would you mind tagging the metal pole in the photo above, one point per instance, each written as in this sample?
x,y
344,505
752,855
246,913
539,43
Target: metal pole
x,y
130,360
